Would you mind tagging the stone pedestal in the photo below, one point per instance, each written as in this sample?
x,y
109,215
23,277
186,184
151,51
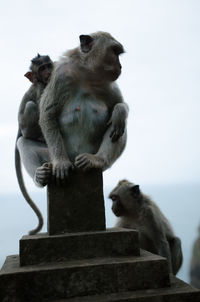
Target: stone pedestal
x,y
77,206
68,279
79,261
42,248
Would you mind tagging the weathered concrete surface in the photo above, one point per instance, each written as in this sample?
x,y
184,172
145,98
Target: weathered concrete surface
x,y
81,278
177,292
77,206
42,248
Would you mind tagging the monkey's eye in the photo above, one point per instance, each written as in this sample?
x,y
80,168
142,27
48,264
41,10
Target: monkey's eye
x,y
45,66
49,66
42,68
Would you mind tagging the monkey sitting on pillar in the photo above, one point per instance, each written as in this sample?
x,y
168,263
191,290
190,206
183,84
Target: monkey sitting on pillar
x,y
82,112
29,132
83,115
137,211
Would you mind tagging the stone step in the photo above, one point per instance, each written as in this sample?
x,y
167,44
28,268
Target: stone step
x,y
82,277
42,248
179,291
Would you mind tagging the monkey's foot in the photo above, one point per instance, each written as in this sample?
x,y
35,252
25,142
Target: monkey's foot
x,y
43,174
88,161
61,170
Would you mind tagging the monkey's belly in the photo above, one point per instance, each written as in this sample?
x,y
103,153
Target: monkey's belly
x,y
83,124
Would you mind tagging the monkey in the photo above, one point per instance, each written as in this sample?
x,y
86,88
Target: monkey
x,y
136,210
29,131
82,111
28,116
195,263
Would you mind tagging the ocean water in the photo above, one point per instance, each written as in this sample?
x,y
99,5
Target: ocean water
x,y
179,203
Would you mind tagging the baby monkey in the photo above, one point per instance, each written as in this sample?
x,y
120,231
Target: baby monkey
x,y
29,132
28,116
137,211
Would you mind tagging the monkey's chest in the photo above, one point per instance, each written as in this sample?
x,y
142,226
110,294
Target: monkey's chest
x,y
83,122
84,113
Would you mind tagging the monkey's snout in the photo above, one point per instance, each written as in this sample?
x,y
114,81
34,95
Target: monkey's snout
x,y
116,211
113,197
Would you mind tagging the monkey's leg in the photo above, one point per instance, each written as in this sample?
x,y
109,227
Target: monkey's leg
x,y
176,254
35,156
107,154
164,250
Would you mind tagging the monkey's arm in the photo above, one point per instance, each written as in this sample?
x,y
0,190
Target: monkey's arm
x,y
107,154
115,137
29,121
119,111
51,104
110,151
30,95
28,115
118,121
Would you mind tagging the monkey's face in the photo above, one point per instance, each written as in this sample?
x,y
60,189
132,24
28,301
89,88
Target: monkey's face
x,y
117,206
101,54
41,69
126,199
111,64
44,72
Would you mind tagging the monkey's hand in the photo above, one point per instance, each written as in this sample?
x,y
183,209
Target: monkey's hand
x,y
43,174
61,169
88,161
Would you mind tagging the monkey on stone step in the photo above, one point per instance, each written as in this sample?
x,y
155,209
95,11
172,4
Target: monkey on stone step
x,y
82,112
29,132
137,211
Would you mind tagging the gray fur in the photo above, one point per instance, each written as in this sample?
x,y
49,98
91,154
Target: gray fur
x,y
30,145
137,211
80,116
28,115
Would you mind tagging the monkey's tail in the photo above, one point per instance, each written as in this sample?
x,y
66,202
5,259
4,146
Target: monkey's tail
x,y
20,179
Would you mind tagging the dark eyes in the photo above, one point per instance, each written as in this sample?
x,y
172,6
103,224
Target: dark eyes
x,y
43,67
49,66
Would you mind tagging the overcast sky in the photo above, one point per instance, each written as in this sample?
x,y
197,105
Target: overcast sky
x,y
160,78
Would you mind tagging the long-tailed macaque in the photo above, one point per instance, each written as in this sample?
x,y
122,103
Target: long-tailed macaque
x,y
29,132
195,263
137,211
82,113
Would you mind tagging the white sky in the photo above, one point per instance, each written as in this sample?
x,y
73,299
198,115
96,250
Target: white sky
x,y
160,78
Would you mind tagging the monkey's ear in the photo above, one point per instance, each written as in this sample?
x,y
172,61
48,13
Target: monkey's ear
x,y
29,75
86,43
135,189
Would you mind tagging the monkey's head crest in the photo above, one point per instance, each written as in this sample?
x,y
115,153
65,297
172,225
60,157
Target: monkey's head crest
x,y
134,189
39,60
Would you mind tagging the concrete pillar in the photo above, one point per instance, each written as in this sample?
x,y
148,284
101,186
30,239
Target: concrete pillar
x,y
77,206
